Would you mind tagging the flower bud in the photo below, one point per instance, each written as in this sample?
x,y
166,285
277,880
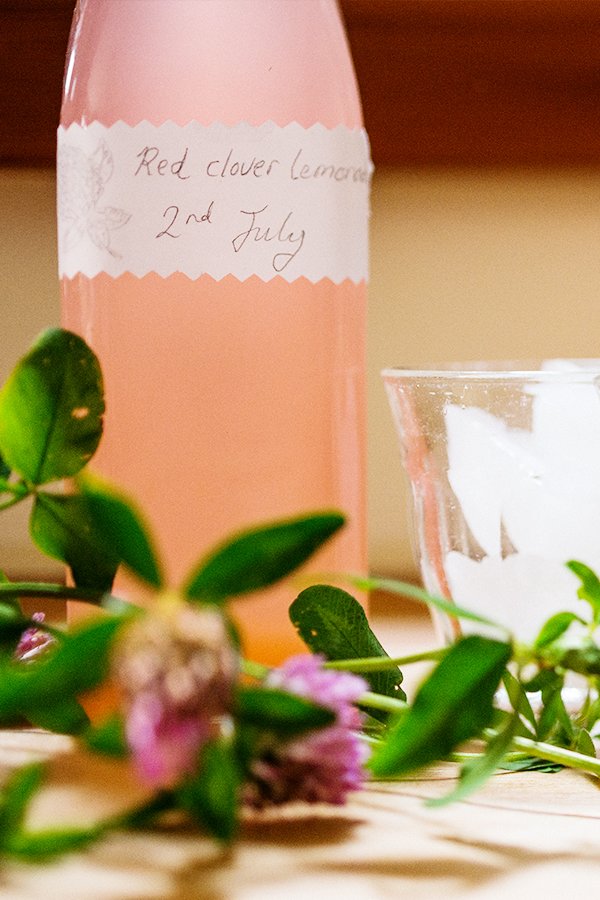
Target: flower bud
x,y
176,667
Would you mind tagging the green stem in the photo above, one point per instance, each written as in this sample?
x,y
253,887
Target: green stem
x,y
454,757
371,739
374,701
380,701
412,592
254,669
570,758
370,699
541,750
16,498
383,663
48,589
16,589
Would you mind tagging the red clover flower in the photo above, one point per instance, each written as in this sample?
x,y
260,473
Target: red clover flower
x,y
176,668
322,766
34,641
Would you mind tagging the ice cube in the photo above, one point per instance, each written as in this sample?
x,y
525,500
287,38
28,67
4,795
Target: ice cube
x,y
519,592
556,513
556,517
566,424
484,455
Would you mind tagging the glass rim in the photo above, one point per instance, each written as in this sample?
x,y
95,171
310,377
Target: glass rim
x,y
496,370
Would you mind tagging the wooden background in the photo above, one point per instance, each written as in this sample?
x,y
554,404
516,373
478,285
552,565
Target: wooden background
x,y
443,82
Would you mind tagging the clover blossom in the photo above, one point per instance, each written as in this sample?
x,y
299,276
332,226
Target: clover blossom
x,y
176,668
322,766
34,641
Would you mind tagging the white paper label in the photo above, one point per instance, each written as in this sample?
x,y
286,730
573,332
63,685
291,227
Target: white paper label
x,y
216,200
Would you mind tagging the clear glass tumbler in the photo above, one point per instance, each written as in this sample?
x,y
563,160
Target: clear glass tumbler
x,y
504,464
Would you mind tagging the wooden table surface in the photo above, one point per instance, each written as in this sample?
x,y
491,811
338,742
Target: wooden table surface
x,y
525,835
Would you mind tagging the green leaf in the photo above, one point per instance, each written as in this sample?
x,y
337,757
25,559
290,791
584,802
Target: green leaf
x,y
583,742
51,409
257,558
12,624
11,617
554,628
62,716
476,772
590,586
211,796
80,663
518,698
145,816
554,714
119,528
331,622
540,681
10,607
585,659
17,491
108,738
531,764
14,799
279,711
590,712
62,527
4,470
38,846
454,704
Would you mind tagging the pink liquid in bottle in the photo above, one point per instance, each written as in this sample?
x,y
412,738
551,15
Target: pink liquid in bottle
x,y
230,400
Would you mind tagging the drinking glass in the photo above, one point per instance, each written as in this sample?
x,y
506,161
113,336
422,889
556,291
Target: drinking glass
x,y
503,460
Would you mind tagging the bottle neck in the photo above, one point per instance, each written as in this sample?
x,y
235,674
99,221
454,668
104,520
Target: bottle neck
x,y
211,61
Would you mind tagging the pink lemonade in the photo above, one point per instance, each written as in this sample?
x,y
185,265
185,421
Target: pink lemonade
x,y
230,402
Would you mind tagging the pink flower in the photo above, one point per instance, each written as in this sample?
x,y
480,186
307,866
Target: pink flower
x,y
176,668
34,641
322,766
